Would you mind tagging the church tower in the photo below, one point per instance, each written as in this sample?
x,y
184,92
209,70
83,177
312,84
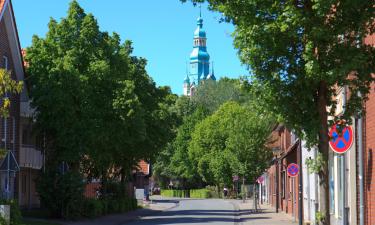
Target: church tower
x,y
199,62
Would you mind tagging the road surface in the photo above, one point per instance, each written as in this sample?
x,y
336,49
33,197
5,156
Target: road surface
x,y
194,212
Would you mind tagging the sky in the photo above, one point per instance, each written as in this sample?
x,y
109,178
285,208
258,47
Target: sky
x,y
161,31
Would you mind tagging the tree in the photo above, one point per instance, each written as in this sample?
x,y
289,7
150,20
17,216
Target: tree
x,y
8,86
232,141
298,52
174,161
212,94
95,103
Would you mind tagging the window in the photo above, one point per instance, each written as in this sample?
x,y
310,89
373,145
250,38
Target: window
x,y
25,135
4,129
13,131
24,180
5,62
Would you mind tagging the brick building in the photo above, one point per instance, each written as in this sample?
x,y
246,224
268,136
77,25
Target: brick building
x,y
17,177
368,153
282,190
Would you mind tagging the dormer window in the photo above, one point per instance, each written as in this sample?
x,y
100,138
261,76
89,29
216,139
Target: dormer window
x,y
5,62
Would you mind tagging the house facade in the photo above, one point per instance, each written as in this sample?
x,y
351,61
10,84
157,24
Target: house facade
x,y
23,160
280,189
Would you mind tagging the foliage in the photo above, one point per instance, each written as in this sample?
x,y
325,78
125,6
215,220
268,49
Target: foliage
x,y
191,193
299,53
174,161
175,193
15,212
320,217
231,142
315,165
212,94
98,109
92,208
8,86
61,193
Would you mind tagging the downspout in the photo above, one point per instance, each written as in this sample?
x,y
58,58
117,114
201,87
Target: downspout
x,y
361,172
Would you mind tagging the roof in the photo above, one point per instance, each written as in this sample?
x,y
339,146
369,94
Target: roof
x,y
2,2
144,167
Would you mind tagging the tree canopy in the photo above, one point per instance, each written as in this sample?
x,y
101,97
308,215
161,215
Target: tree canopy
x,y
99,109
299,52
232,141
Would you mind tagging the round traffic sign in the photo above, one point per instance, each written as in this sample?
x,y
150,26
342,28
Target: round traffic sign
x,y
293,170
260,180
340,143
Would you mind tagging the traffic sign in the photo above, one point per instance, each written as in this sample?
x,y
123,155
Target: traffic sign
x,y
293,170
260,180
235,178
340,142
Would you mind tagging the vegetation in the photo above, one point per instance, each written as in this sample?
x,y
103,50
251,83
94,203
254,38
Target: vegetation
x,y
96,107
192,193
299,51
220,136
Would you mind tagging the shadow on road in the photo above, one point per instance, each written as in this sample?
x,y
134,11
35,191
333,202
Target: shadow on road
x,y
197,216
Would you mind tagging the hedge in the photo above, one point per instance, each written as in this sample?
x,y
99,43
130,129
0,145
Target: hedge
x,y
193,193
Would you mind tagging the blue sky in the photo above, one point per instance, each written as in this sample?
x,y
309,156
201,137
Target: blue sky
x,y
161,31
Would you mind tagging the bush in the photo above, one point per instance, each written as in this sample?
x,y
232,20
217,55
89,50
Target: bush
x,y
175,193
15,212
61,194
92,208
199,193
193,193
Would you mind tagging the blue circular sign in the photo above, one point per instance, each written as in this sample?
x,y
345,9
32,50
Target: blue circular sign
x,y
293,170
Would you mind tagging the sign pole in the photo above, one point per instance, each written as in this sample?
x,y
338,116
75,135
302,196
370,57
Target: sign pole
x,y
300,217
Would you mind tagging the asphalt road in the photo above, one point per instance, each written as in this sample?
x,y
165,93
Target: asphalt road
x,y
194,212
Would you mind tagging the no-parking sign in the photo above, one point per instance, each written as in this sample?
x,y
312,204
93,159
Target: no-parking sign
x,y
293,170
340,143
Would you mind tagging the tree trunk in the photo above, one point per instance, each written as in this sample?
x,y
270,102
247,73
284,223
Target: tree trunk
x,y
323,149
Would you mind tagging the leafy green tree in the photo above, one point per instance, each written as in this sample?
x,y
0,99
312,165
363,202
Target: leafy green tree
x,y
212,94
95,103
174,161
298,52
231,142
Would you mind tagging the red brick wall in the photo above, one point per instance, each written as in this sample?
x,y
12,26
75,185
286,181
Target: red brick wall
x,y
368,152
286,202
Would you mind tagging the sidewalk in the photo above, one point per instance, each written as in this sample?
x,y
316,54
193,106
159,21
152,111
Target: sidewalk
x,y
265,216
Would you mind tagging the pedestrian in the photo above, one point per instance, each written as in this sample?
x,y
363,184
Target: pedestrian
x,y
225,192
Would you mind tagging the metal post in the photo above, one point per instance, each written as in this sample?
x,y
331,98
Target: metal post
x,y
277,186
343,194
300,217
360,172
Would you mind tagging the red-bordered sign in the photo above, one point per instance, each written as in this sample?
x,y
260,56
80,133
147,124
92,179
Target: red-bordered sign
x,y
260,180
341,143
293,170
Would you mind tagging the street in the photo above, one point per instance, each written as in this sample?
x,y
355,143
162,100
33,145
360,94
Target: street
x,y
215,211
